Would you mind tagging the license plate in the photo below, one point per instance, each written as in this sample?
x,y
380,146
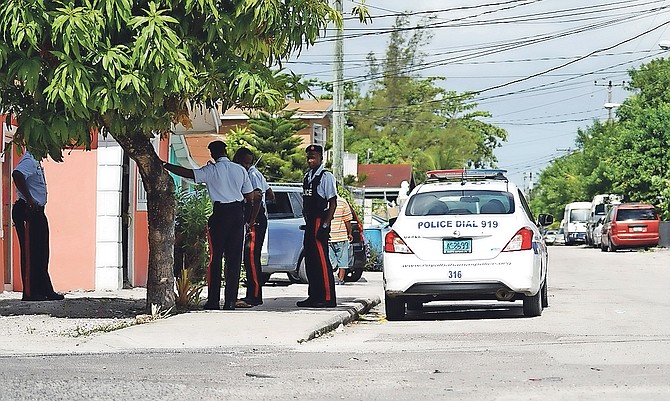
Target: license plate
x,y
457,245
638,229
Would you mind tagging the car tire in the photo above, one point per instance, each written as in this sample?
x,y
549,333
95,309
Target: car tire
x,y
300,275
545,295
353,275
395,308
415,305
603,248
293,277
610,246
532,304
265,277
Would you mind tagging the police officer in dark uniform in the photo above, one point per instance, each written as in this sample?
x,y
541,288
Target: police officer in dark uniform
x,y
257,223
228,186
319,203
32,229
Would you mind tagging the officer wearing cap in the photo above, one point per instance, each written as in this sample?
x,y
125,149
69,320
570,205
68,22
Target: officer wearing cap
x,y
228,185
319,202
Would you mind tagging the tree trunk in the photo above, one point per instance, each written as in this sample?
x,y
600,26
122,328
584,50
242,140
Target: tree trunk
x,y
161,207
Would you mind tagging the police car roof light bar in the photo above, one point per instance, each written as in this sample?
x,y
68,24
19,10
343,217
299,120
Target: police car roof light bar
x,y
466,174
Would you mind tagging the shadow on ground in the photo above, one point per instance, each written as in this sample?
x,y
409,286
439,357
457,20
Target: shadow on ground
x,y
76,308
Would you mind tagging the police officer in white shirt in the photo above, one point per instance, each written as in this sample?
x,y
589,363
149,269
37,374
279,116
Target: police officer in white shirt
x,y
32,229
319,202
257,221
228,186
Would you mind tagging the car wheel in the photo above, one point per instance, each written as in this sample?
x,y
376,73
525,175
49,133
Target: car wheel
x,y
300,275
265,277
532,305
610,246
603,248
353,275
293,277
395,308
545,295
414,305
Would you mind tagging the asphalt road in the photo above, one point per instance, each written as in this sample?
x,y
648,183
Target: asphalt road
x,y
605,336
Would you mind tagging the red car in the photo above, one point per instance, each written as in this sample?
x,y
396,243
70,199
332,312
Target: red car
x,y
630,225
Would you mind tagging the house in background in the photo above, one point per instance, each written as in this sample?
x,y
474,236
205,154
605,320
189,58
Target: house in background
x,y
385,181
317,114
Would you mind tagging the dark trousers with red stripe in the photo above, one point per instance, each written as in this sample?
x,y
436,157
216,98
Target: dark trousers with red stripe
x,y
226,240
252,258
32,229
317,263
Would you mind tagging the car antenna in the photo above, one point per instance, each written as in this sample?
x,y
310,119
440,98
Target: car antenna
x,y
257,160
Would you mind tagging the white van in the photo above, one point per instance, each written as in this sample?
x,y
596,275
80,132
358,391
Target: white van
x,y
576,216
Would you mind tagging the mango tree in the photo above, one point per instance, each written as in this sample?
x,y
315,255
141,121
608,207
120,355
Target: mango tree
x,y
71,69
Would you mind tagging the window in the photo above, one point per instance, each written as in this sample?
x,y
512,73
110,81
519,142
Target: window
x,y
460,203
636,214
579,215
284,205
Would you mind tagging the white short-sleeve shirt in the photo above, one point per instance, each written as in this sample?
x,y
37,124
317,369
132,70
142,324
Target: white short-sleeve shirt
x,y
34,175
258,181
226,181
327,187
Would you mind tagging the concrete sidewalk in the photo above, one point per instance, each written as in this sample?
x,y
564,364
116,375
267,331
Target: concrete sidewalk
x,y
90,322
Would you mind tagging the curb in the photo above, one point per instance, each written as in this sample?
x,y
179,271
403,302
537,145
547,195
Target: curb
x,y
361,307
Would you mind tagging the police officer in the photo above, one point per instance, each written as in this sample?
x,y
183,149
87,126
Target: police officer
x,y
257,223
319,203
228,186
32,229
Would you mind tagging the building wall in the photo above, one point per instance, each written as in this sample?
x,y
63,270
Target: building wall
x,y
109,173
70,209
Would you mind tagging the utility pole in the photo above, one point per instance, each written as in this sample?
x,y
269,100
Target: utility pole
x,y
338,101
609,97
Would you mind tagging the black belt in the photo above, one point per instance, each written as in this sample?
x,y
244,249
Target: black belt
x,y
23,202
220,205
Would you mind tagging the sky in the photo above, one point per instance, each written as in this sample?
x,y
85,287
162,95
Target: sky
x,y
542,67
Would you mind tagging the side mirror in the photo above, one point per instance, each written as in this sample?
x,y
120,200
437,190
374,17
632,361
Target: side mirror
x,y
392,221
545,219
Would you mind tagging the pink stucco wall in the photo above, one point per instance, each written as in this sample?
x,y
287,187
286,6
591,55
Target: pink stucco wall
x,y
71,209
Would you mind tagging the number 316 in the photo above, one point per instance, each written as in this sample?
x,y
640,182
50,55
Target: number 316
x,y
455,274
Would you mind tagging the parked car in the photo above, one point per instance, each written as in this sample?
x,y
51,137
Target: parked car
x,y
465,235
630,225
596,237
550,237
283,248
560,237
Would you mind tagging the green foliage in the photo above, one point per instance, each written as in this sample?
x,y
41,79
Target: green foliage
x,y
627,157
193,210
407,119
122,66
374,260
274,138
188,291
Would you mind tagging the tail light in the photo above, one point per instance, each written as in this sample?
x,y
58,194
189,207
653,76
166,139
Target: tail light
x,y
394,244
521,241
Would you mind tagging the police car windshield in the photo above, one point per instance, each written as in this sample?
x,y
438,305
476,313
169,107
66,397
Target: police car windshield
x,y
460,203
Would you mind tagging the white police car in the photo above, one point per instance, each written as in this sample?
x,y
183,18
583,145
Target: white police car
x,y
465,235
